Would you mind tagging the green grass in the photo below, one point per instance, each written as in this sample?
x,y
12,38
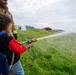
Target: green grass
x,y
33,33
53,56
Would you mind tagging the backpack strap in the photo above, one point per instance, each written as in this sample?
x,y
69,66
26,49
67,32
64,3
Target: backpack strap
x,y
12,61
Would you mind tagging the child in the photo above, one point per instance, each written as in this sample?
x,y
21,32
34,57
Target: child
x,y
15,32
10,45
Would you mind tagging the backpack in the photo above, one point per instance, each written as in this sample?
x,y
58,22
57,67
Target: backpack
x,y
4,67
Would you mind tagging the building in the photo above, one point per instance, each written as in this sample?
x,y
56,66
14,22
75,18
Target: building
x,y
31,27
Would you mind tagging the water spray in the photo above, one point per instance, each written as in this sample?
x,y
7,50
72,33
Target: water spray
x,y
50,36
54,35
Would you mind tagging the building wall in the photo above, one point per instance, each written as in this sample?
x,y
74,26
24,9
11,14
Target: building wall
x,y
31,27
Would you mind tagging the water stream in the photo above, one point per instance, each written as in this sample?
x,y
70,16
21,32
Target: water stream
x,y
54,35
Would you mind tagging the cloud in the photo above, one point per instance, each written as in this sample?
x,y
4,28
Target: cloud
x,y
41,13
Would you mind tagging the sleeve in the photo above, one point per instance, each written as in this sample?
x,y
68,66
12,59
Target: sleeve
x,y
15,46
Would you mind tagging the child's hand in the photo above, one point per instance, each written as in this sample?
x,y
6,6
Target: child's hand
x,y
21,43
28,46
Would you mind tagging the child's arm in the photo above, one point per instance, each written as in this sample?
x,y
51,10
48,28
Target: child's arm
x,y
15,46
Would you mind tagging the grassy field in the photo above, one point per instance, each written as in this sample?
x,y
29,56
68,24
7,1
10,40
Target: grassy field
x,y
33,33
53,56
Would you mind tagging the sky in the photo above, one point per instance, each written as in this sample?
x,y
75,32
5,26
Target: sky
x,y
57,14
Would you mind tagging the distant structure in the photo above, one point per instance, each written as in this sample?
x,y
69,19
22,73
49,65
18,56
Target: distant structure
x,y
18,27
21,27
31,27
58,30
47,28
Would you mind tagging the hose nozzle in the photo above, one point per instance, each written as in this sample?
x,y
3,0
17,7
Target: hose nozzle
x,y
32,40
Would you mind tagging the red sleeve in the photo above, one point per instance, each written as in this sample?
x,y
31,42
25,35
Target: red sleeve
x,y
15,46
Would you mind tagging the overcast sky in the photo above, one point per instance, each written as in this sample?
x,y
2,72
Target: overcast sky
x,y
58,14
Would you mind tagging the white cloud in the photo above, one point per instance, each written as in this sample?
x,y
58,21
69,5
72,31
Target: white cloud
x,y
53,13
